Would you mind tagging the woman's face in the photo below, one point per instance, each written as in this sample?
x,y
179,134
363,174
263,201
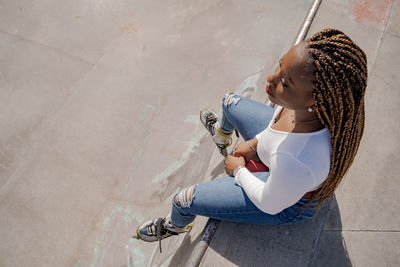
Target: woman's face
x,y
292,84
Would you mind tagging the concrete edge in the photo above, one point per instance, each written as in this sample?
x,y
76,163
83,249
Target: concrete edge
x,y
200,249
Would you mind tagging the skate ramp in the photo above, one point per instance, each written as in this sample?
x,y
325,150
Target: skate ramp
x,y
99,116
99,129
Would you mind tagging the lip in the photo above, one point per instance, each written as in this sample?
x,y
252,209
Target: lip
x,y
268,91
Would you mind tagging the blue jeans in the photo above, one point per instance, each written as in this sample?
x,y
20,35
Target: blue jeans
x,y
224,200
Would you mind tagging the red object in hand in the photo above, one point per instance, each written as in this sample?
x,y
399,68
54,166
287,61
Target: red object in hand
x,y
256,166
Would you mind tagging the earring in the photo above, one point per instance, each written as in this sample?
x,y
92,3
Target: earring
x,y
310,109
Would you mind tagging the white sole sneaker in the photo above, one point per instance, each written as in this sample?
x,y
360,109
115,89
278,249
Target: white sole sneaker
x,y
209,118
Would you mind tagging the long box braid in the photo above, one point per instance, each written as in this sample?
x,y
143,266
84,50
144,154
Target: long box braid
x,y
341,79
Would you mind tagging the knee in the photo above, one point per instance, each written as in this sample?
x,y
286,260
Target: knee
x,y
229,99
185,197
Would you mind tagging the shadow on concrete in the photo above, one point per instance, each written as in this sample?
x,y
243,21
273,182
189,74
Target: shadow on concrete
x,y
305,244
218,170
331,247
183,253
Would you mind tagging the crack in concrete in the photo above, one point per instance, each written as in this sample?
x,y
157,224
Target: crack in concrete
x,y
319,231
53,49
383,31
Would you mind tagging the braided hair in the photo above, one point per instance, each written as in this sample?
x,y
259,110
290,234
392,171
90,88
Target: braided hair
x,y
341,79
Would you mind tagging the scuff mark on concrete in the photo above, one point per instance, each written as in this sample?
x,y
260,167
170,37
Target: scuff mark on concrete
x,y
100,240
108,244
193,144
128,260
249,86
192,119
130,27
145,112
119,213
139,154
136,162
153,254
135,254
371,11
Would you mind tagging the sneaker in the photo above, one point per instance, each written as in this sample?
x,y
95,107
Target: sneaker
x,y
210,120
159,229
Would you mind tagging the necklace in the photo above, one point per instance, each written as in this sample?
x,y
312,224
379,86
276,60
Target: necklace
x,y
305,122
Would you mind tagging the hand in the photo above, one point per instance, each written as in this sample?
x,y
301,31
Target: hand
x,y
231,163
245,150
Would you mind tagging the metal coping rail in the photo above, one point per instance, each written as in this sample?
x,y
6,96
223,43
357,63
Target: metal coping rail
x,y
301,35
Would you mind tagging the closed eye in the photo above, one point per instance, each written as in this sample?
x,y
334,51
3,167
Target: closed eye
x,y
283,83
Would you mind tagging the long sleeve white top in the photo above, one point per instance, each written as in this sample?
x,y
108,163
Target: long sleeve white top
x,y
298,163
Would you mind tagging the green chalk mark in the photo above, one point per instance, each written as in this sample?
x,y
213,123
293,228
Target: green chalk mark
x,y
192,119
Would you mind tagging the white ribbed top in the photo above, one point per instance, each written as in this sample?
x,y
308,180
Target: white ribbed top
x,y
298,163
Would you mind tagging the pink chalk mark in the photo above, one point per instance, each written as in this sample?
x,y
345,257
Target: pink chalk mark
x,y
371,11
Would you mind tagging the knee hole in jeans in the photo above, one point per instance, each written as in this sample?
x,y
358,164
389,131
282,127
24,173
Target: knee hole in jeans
x,y
185,197
230,98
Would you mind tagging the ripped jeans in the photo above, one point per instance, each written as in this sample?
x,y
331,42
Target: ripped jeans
x,y
224,200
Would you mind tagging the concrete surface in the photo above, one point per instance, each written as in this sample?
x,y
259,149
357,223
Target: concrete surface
x,y
99,128
99,116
